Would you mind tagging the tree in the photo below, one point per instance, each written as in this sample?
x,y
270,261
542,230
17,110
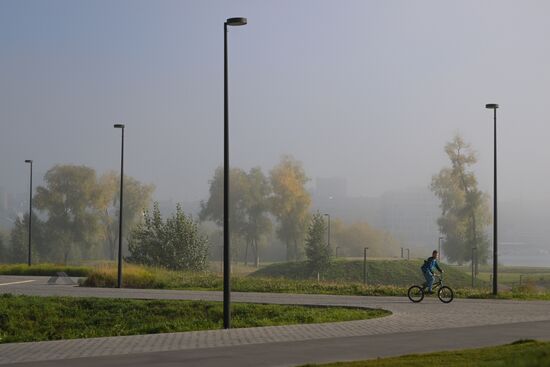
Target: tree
x,y
175,244
465,209
70,200
213,208
137,198
290,203
256,206
18,250
317,250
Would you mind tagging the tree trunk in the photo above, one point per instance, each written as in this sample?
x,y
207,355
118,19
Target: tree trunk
x,y
288,251
246,253
256,255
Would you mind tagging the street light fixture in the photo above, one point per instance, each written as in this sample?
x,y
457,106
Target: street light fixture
x,y
226,253
119,275
30,211
494,106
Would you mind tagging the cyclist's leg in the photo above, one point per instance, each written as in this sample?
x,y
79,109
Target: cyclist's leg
x,y
430,278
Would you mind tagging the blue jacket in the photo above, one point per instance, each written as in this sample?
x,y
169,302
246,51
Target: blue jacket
x,y
430,264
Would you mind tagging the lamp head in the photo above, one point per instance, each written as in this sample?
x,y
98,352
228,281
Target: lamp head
x,y
28,160
236,21
118,126
492,106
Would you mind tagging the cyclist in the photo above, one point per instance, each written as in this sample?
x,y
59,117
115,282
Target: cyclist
x,y
428,270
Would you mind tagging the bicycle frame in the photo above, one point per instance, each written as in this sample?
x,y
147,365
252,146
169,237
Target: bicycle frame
x,y
437,283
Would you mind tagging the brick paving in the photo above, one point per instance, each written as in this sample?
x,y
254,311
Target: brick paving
x,y
406,317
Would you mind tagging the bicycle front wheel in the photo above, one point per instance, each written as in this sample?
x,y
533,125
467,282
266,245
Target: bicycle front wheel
x,y
415,293
445,294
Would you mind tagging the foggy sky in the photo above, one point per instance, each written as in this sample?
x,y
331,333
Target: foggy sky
x,y
366,90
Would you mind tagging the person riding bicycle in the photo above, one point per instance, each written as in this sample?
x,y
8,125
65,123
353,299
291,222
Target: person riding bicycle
x,y
428,270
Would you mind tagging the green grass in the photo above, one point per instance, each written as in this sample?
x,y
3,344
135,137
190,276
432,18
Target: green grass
x,y
44,270
519,354
25,318
155,278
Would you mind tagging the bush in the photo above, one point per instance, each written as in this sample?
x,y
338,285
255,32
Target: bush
x,y
175,244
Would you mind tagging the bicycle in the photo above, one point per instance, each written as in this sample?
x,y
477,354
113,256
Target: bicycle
x,y
444,293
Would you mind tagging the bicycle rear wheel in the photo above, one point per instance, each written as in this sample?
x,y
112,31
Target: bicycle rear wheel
x,y
415,293
445,294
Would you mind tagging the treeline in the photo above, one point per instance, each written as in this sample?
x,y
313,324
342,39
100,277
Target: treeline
x,y
76,211
276,207
75,216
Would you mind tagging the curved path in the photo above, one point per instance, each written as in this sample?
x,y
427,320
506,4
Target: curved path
x,y
430,325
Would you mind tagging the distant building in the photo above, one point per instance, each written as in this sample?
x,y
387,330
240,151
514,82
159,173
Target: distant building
x,y
410,216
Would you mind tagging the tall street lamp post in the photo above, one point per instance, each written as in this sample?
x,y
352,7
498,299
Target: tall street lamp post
x,y
226,252
119,276
494,106
439,248
30,211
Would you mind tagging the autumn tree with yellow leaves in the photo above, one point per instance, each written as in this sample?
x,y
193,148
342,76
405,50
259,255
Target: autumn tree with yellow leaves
x,y
290,204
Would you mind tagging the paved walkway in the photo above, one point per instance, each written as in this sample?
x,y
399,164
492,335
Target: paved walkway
x,y
430,315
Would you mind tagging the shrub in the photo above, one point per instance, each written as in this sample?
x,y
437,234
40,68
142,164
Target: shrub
x,y
174,244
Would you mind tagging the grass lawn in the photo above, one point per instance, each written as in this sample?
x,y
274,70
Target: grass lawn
x,y
518,354
25,318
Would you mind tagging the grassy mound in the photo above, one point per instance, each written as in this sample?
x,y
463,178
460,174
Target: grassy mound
x,y
399,273
25,319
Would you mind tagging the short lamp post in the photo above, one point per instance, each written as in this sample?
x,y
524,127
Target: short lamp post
x,y
328,232
474,254
365,265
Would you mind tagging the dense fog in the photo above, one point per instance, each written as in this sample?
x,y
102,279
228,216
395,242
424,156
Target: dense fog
x,y
363,95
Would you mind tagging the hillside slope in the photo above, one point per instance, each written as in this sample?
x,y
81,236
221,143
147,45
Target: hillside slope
x,y
379,272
